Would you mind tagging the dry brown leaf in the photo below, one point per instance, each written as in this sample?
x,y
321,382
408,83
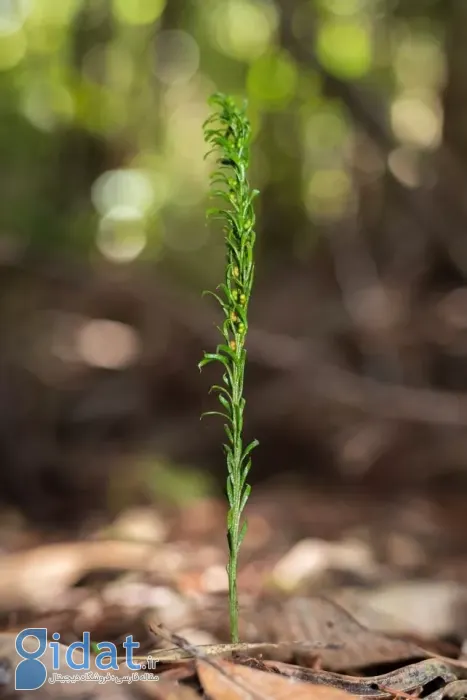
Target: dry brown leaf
x,y
325,620
226,681
39,577
321,620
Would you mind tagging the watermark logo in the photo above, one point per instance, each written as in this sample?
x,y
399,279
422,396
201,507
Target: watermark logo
x,y
31,673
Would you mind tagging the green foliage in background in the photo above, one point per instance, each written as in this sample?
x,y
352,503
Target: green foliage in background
x,y
101,103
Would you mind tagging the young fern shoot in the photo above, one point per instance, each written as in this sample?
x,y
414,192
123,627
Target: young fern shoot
x,y
228,132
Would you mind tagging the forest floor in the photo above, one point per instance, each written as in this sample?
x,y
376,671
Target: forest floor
x,y
337,590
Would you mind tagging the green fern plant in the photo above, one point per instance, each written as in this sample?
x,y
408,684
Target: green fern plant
x,y
228,133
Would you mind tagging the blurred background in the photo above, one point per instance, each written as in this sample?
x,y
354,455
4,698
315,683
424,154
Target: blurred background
x,y
357,373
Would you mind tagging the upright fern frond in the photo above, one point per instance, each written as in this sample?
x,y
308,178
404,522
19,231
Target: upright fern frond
x,y
228,133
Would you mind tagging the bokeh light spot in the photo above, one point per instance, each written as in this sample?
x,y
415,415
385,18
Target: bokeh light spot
x,y
419,61
417,120
107,344
122,234
47,105
55,12
127,188
344,48
176,57
138,12
273,79
12,49
404,163
13,14
328,194
241,29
